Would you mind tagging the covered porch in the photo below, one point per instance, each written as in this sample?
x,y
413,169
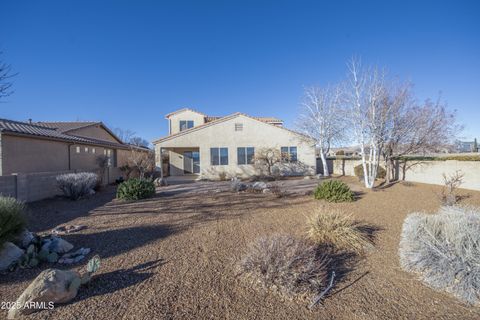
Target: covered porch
x,y
184,161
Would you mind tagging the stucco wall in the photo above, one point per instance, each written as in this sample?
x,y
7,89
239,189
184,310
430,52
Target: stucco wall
x,y
197,118
28,155
254,134
96,132
21,154
428,172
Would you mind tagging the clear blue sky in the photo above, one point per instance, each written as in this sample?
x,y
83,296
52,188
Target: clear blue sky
x,y
128,63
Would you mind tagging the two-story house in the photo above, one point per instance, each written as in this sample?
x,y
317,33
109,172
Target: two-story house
x,y
198,144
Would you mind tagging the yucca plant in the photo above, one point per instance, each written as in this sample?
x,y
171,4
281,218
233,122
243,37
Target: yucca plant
x,y
12,220
338,230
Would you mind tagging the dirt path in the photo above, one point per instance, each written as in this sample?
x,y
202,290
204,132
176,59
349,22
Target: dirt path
x,y
174,256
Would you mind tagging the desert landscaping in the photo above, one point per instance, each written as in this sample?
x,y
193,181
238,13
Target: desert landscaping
x,y
176,255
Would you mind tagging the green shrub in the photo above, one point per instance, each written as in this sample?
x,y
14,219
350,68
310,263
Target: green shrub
x,y
334,191
12,221
381,173
135,189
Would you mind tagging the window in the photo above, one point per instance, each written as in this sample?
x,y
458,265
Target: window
x,y
218,156
78,149
86,149
186,124
289,154
93,150
238,126
245,155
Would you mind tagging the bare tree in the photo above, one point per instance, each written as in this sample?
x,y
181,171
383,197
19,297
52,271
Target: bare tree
x,y
370,113
102,163
5,79
124,134
143,161
139,142
416,129
322,118
267,158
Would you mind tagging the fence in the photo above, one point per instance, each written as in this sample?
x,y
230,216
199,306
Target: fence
x,y
425,171
30,187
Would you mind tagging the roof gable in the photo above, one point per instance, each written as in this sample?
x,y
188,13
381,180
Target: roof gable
x,y
183,110
221,120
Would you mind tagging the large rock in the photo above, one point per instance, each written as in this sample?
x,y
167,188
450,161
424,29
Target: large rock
x,y
9,254
24,239
259,186
237,185
57,245
52,285
160,182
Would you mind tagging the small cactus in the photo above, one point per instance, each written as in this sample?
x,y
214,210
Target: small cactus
x,y
93,264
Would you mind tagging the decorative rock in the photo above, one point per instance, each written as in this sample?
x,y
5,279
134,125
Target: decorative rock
x,y
68,229
307,178
259,186
9,254
57,245
51,285
266,190
24,239
74,257
237,186
160,182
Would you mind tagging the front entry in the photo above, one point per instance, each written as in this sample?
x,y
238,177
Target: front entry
x,y
191,162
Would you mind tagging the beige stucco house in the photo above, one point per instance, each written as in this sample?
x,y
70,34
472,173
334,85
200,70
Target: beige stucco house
x,y
208,146
32,147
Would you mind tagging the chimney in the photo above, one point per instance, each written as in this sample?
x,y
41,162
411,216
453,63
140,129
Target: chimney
x,y
30,120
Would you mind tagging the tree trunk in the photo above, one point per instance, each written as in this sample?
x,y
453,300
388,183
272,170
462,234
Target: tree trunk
x,y
326,173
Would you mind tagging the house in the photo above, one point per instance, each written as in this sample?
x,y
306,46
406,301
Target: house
x,y
33,147
466,146
208,146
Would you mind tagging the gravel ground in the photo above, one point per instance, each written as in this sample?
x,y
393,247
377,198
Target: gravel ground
x,y
174,256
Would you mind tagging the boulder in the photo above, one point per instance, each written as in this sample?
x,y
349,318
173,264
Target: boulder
x,y
24,239
58,245
74,257
9,254
51,286
160,182
237,185
259,186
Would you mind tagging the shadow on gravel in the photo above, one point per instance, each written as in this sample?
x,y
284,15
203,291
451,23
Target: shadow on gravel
x,y
106,244
46,214
110,282
113,242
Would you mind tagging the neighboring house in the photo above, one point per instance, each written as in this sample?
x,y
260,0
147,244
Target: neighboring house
x,y
210,146
466,146
345,152
27,147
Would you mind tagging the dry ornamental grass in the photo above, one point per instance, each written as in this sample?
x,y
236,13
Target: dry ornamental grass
x,y
338,230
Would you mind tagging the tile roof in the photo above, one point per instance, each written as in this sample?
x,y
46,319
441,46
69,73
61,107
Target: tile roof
x,y
37,130
67,125
263,119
